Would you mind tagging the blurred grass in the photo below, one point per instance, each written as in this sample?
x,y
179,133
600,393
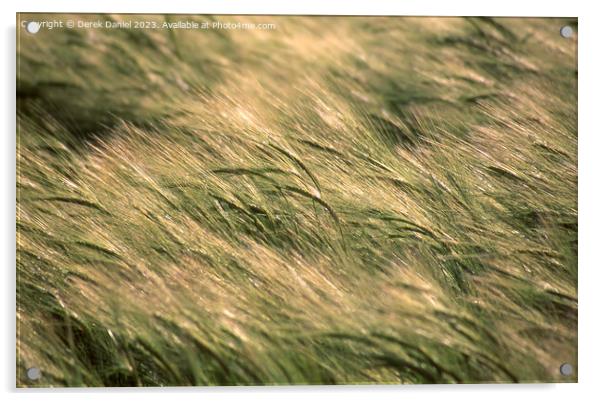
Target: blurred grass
x,y
339,200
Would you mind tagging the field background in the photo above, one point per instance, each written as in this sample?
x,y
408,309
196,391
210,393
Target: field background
x,y
337,200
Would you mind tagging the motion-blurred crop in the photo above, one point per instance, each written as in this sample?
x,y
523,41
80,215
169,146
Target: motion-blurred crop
x,y
337,200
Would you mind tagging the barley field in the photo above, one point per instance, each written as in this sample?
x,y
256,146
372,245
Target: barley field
x,y
332,200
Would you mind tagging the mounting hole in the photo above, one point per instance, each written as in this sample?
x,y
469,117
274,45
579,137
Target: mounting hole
x,y
566,369
34,374
566,31
32,27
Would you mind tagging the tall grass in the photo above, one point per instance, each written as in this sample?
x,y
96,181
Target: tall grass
x,y
339,200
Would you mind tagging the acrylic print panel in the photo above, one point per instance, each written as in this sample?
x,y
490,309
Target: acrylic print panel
x,y
246,200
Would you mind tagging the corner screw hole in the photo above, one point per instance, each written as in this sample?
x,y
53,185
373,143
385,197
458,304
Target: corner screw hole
x,y
566,31
566,369
34,374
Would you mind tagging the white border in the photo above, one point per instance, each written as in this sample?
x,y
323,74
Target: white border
x,y
590,167
307,7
